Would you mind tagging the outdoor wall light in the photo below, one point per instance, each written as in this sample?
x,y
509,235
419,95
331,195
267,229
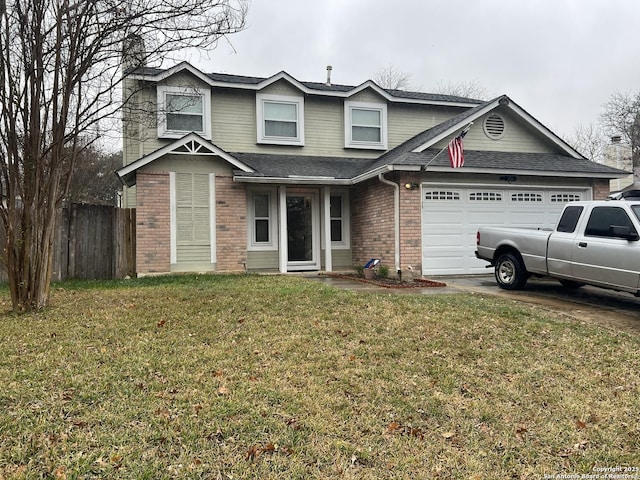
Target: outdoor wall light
x,y
508,178
411,186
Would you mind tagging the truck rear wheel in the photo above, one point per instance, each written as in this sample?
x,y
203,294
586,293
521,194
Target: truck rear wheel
x,y
510,272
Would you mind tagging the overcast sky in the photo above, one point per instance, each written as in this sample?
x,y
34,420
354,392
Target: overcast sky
x,y
558,59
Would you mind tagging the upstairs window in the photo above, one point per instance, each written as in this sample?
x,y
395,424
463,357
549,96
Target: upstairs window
x,y
365,125
280,119
182,111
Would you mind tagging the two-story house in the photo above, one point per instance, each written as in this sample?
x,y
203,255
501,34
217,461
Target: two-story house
x,y
234,173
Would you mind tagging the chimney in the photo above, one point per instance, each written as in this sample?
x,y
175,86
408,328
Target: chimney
x,y
133,53
329,68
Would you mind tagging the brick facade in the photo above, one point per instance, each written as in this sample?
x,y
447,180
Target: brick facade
x,y
231,224
600,189
153,218
373,223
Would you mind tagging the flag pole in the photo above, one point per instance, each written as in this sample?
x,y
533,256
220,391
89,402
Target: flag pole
x,y
464,131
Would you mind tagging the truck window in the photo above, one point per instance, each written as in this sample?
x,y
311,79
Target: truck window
x,y
636,210
602,218
569,219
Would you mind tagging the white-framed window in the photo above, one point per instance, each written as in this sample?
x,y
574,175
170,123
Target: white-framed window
x,y
262,223
365,125
339,219
182,111
280,119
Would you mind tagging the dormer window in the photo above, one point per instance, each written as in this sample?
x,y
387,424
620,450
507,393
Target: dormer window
x,y
280,119
182,111
365,125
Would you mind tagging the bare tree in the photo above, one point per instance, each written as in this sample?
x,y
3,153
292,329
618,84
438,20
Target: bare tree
x,y
60,64
590,140
621,116
470,89
393,79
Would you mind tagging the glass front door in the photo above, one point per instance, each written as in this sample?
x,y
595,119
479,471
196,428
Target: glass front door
x,y
301,234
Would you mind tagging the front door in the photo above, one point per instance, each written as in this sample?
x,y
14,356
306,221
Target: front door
x,y
302,231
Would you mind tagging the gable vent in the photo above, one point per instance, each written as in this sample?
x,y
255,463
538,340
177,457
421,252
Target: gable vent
x,y
494,126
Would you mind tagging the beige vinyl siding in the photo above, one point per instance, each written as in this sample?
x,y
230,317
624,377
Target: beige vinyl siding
x,y
324,127
193,240
518,137
190,164
405,121
233,116
281,87
367,96
340,259
263,260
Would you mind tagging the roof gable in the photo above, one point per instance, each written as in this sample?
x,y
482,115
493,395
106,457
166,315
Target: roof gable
x,y
429,138
191,144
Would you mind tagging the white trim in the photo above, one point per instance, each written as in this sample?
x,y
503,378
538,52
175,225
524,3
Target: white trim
x,y
328,257
204,94
345,244
282,222
273,224
298,101
212,217
314,263
349,142
173,222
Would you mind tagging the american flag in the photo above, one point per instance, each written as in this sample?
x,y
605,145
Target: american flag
x,y
456,151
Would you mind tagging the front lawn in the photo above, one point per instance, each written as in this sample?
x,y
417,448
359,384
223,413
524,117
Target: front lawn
x,y
234,377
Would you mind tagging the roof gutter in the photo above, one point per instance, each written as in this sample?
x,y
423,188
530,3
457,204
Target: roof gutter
x,y
396,217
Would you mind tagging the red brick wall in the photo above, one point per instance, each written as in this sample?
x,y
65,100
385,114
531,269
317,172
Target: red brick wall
x,y
153,217
410,223
372,223
231,224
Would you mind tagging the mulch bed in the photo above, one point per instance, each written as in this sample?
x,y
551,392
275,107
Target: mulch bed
x,y
392,282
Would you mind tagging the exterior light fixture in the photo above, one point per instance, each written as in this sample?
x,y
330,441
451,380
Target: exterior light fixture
x,y
411,186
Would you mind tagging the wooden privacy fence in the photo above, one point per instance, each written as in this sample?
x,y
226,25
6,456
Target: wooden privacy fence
x,y
93,242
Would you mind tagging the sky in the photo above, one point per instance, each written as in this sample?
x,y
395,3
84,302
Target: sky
x,y
560,60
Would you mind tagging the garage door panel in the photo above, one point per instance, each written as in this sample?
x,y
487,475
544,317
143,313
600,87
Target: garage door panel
x,y
451,217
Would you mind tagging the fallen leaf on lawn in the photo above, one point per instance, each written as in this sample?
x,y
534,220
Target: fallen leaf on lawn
x,y
580,425
448,435
163,412
161,323
223,391
253,452
270,448
393,426
60,472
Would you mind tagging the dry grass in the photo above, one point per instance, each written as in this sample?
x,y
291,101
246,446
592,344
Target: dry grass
x,y
282,378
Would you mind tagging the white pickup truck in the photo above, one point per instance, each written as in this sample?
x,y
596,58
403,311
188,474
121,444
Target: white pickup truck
x,y
595,243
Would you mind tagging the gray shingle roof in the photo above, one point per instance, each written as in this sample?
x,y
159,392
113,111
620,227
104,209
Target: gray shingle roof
x,y
320,87
283,166
532,162
286,166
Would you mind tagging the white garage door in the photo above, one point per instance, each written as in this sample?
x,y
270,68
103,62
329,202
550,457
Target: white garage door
x,y
451,217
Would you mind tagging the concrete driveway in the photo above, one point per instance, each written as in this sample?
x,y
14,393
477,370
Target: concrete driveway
x,y
614,310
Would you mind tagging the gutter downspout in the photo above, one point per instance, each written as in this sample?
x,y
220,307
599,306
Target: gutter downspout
x,y
396,217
